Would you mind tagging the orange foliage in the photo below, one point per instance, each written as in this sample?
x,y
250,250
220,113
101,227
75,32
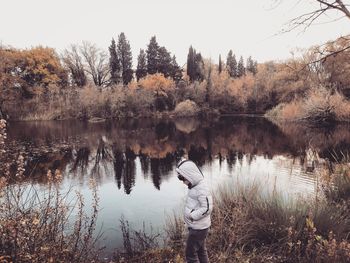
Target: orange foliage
x,y
43,66
37,66
157,82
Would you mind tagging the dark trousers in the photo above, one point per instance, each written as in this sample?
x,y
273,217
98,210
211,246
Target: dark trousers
x,y
196,250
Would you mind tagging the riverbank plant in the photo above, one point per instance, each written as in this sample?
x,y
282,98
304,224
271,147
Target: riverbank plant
x,y
320,106
252,225
43,226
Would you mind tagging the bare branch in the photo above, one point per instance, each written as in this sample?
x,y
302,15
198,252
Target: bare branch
x,y
325,6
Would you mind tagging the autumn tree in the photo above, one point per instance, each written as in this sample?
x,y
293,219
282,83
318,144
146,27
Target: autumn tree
x,y
240,68
152,56
42,66
22,70
125,56
161,88
96,64
141,70
114,63
332,71
231,64
73,63
11,84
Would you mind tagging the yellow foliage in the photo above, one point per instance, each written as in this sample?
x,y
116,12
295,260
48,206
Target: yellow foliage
x,y
157,82
36,66
43,64
242,88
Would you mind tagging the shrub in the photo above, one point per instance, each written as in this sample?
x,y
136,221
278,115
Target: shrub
x,y
186,108
40,227
319,106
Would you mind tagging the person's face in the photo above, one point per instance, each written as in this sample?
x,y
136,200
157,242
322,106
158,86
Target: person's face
x,y
181,178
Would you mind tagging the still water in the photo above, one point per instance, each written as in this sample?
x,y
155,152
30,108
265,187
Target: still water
x,y
133,161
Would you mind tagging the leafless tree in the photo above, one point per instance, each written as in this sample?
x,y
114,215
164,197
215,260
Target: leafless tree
x,y
74,64
96,63
338,8
323,8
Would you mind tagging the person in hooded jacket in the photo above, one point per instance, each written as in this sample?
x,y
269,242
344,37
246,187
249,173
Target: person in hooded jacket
x,y
198,207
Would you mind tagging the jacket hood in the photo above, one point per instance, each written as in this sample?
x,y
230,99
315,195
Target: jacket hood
x,y
190,171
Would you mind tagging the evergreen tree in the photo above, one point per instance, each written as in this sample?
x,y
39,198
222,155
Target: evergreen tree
x,y
125,56
141,70
191,63
164,62
220,65
250,65
231,64
240,68
176,72
199,67
114,63
195,65
255,67
152,56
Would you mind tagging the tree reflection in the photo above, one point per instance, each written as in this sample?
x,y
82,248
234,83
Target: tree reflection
x,y
94,149
144,161
124,169
198,154
81,160
161,168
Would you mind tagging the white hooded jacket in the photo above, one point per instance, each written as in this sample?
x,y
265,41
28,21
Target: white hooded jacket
x,y
199,202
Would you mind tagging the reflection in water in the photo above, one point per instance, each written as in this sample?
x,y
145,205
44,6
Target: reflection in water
x,y
133,161
88,149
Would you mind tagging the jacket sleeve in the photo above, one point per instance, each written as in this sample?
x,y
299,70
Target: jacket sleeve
x,y
205,207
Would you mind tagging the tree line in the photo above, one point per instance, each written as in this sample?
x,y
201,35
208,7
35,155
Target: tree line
x,y
80,63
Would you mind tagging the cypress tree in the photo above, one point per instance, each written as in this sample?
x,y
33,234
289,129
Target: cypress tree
x,y
176,72
255,67
125,56
195,65
240,68
251,65
114,63
199,67
141,70
164,62
152,56
231,64
190,64
220,65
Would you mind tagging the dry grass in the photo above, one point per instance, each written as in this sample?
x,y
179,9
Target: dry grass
x,y
37,226
249,225
319,106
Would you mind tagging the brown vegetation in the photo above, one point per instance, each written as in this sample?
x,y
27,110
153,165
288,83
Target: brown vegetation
x,y
36,86
38,227
251,226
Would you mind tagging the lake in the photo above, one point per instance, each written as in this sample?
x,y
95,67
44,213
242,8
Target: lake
x,y
133,161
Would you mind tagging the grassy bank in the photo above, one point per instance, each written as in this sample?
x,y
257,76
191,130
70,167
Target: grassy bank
x,y
320,106
42,226
249,225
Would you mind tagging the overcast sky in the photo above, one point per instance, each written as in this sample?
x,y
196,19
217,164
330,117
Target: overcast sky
x,y
248,27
